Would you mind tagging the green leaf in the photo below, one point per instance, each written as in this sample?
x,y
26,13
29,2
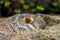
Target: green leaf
x,y
26,7
31,4
34,10
17,11
22,1
7,4
55,4
40,8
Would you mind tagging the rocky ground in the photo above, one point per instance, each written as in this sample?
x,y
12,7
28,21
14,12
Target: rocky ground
x,y
43,27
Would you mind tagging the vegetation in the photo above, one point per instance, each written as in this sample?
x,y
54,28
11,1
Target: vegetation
x,y
22,1
40,8
26,7
17,11
33,10
18,6
7,4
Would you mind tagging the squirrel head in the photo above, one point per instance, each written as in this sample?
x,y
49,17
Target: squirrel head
x,y
28,19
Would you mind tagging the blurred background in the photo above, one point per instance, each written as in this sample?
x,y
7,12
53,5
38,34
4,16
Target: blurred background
x,y
11,7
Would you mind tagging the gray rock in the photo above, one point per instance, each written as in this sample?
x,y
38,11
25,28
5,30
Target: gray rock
x,y
18,18
3,37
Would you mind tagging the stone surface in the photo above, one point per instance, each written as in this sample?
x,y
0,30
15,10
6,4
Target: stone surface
x,y
44,27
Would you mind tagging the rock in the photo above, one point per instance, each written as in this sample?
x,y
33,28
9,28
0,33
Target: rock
x,y
38,20
51,19
14,28
3,37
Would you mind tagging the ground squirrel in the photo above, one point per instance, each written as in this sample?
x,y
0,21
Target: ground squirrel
x,y
28,19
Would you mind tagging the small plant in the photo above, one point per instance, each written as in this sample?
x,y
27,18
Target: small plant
x,y
17,11
34,10
31,4
55,4
7,4
26,7
40,8
22,1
